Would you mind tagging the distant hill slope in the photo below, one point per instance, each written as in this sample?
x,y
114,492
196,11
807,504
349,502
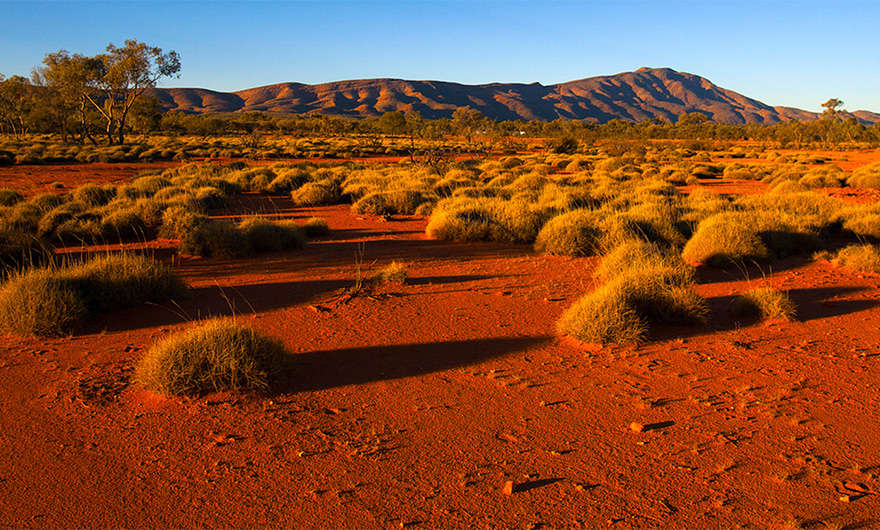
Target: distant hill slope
x,y
641,95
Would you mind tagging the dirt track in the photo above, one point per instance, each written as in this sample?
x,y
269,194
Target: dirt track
x,y
414,407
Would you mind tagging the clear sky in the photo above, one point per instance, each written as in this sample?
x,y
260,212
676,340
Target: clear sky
x,y
794,53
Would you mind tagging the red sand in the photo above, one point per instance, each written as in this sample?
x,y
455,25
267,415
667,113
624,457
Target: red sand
x,y
416,406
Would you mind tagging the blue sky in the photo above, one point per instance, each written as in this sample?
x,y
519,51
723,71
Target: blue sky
x,y
782,53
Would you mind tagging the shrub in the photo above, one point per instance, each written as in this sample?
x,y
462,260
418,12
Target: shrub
x,y
867,176
39,303
624,309
864,224
315,194
210,197
724,238
53,301
264,235
9,197
644,257
862,258
763,303
178,222
216,355
485,219
123,224
316,227
401,202
46,202
573,233
93,195
393,272
220,239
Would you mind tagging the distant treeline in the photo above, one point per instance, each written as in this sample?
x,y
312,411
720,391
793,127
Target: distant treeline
x,y
101,98
39,105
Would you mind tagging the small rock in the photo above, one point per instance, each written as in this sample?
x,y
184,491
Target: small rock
x,y
508,488
636,427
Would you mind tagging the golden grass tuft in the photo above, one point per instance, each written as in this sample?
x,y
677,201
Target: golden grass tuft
x,y
861,258
216,355
574,233
395,272
724,238
52,301
624,309
763,303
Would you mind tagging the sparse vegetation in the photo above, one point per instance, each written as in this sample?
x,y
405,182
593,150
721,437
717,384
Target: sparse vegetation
x,y
394,272
54,300
215,355
763,303
861,258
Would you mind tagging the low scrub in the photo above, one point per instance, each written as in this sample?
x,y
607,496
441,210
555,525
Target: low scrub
x,y
316,194
624,309
763,303
862,258
216,355
574,233
53,301
724,238
643,258
316,227
395,272
485,219
263,235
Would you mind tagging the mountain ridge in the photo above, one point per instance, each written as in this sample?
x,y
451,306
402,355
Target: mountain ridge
x,y
647,93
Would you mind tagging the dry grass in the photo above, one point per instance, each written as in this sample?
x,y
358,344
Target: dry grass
x,y
724,238
395,272
216,355
862,258
575,233
763,303
623,310
53,301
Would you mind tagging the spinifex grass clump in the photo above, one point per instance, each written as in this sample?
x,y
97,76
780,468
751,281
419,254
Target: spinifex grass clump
x,y
862,258
574,233
53,301
316,227
216,355
263,235
724,238
763,303
395,272
625,308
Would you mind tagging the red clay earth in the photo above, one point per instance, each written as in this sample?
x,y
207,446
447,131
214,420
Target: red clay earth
x,y
416,406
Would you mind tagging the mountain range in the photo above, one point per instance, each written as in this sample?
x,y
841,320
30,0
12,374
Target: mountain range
x,y
645,94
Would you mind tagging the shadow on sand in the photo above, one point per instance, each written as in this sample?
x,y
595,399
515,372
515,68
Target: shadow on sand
x,y
320,370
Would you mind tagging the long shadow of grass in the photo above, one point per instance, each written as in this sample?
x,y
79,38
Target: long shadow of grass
x,y
811,304
320,370
213,300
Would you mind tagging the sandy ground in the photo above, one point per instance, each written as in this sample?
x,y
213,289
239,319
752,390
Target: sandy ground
x,y
415,406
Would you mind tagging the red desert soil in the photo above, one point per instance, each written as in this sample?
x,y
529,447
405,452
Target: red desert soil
x,y
39,178
415,406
